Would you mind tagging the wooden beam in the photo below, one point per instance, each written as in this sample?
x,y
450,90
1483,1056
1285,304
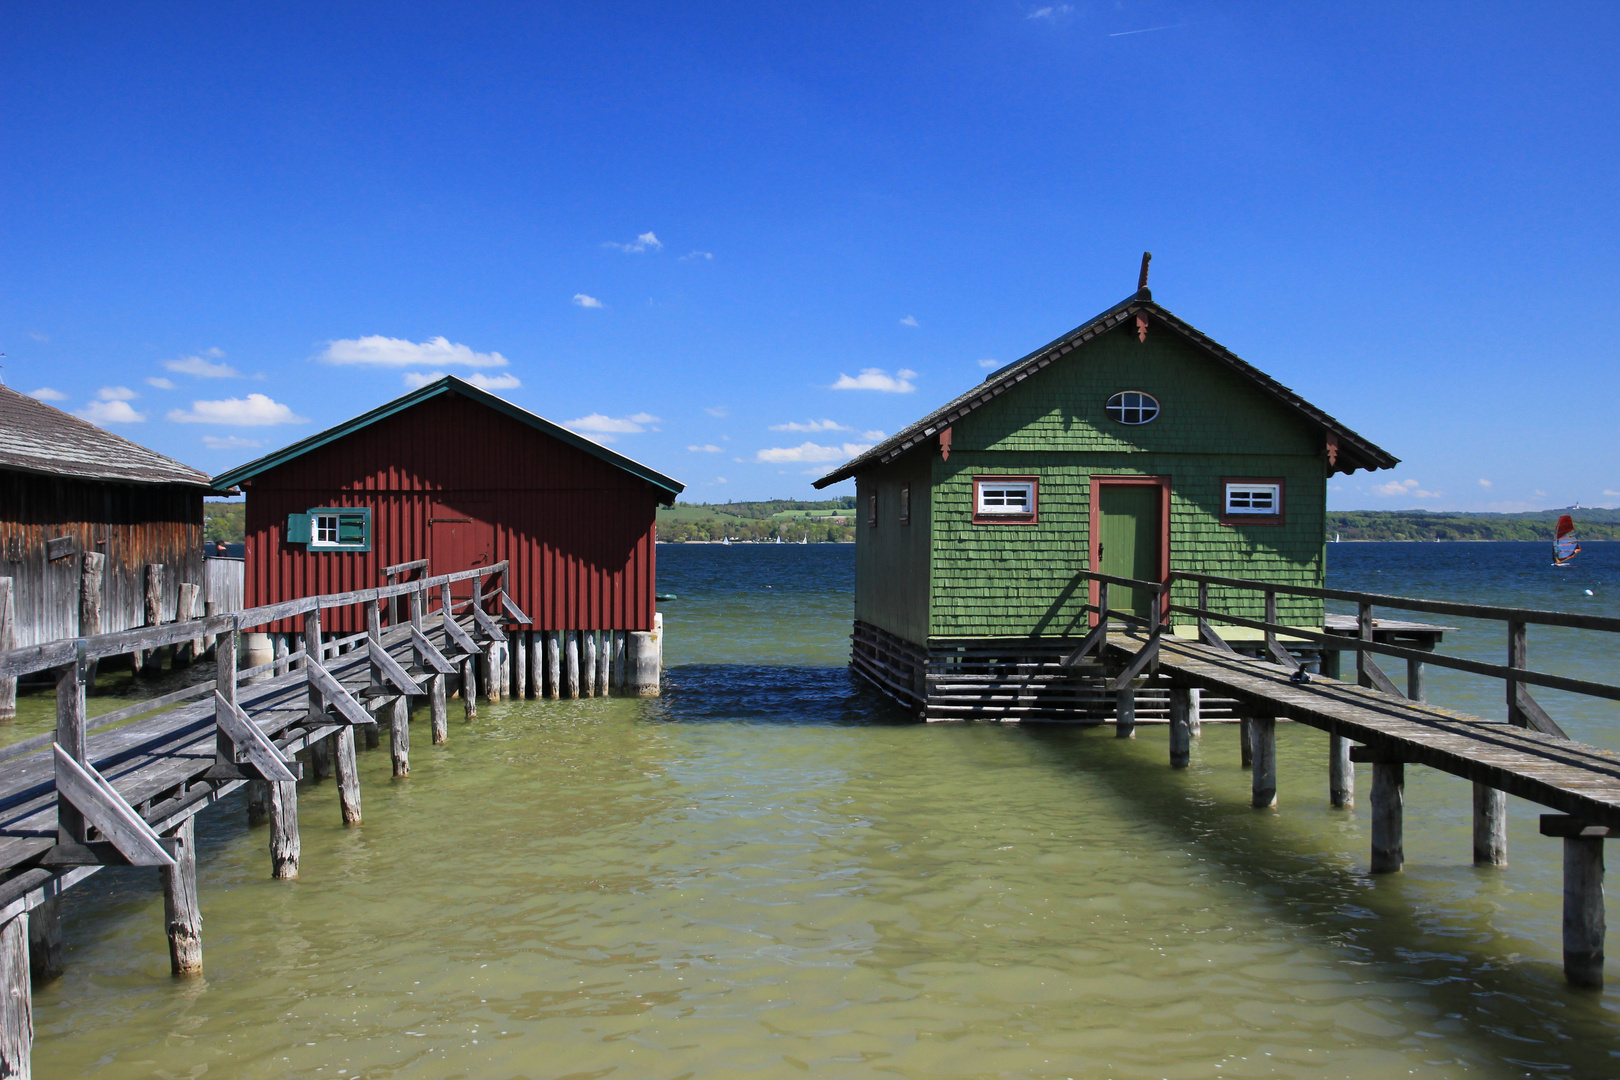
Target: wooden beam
x,y
252,744
1263,745
1341,773
337,696
16,1000
390,669
462,639
513,610
1388,811
104,808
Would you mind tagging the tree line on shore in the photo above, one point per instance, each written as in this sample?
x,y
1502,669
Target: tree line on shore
x,y
1440,525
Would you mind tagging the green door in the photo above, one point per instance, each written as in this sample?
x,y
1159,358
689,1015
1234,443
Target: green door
x,y
1129,534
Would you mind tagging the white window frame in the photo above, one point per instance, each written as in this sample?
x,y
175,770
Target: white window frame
x,y
996,487
1136,408
319,516
324,530
1247,491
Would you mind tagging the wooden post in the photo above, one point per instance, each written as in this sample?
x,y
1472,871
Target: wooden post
x,y
399,735
8,640
438,710
185,609
283,650
16,1001
469,686
537,652
646,659
1490,826
490,664
1517,658
71,736
1125,713
1364,631
284,843
571,662
320,753
258,802
1583,910
375,681
553,665
152,659
341,743
1263,740
517,639
604,661
1330,663
1416,683
1195,712
1341,773
182,915
45,941
92,567
1246,742
1272,644
588,661
1180,728
1388,804
210,609
619,657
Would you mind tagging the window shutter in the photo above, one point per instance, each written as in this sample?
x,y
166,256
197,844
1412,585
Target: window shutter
x,y
297,529
352,529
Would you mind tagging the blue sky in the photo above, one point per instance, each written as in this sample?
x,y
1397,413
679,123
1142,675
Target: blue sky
x,y
684,227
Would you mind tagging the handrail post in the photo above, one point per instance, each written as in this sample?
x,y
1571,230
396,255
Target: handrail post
x,y
71,737
225,682
1364,632
1271,620
1516,658
1102,604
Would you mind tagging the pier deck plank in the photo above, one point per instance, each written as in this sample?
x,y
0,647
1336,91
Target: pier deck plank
x,y
1570,777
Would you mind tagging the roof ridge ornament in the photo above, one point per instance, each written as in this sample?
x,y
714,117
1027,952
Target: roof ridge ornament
x,y
1141,281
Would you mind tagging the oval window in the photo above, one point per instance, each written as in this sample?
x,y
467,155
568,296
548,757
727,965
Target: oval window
x,y
1133,407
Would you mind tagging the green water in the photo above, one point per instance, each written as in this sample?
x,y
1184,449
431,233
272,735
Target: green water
x,y
769,873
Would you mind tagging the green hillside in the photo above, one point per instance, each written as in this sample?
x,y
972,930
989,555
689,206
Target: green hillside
x,y
1430,525
829,521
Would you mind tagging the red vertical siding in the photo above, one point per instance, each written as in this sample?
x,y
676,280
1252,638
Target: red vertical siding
x,y
577,530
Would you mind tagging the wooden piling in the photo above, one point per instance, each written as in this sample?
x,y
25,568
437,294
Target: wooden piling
x,y
399,735
438,710
8,640
92,566
1490,826
45,941
210,609
619,658
348,774
320,753
1125,713
282,651
553,665
469,687
571,663
1388,806
1263,744
537,651
16,1001
1583,910
151,660
1341,773
258,802
1246,742
182,915
1180,727
587,663
185,609
604,661
520,663
490,663
284,843
1195,712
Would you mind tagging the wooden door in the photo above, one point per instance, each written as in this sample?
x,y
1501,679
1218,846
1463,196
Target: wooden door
x,y
1128,541
462,537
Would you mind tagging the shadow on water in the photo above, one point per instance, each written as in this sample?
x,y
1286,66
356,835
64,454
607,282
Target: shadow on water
x,y
1517,1010
772,694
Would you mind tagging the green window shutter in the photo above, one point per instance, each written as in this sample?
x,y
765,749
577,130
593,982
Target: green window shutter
x,y
352,529
297,529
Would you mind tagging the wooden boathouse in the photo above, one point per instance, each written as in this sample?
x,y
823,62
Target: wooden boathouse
x,y
97,533
1134,445
451,477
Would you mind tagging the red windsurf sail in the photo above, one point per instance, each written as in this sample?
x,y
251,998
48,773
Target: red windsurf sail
x,y
1565,546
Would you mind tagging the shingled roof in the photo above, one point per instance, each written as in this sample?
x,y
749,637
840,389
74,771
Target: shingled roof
x,y
38,438
1353,452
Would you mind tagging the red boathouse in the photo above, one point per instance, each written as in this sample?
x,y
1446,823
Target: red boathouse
x,y
455,475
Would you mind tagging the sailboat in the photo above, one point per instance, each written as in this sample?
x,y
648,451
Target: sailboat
x,y
1565,546
804,539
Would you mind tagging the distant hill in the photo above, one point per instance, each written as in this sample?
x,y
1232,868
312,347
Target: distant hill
x,y
791,520
1431,525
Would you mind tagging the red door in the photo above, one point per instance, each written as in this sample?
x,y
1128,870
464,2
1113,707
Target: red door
x,y
462,538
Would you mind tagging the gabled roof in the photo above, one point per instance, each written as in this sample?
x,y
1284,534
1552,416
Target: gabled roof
x,y
1354,452
449,385
39,438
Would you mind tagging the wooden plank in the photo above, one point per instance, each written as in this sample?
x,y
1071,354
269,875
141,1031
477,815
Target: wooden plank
x,y
513,610
430,654
391,669
250,741
337,696
108,812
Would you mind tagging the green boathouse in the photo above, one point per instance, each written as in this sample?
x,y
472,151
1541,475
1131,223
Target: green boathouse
x,y
1133,444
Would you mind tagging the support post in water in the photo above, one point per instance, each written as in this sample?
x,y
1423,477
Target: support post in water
x,y
1341,772
1180,727
1263,740
182,915
1246,742
537,665
1195,712
1125,713
587,663
45,940
16,1000
1490,825
1583,910
284,844
520,662
399,734
553,665
571,662
1388,807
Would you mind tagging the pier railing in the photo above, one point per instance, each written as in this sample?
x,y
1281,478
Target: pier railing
x,y
86,801
1523,709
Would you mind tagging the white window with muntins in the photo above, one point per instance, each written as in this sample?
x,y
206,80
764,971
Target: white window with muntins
x,y
326,529
1005,498
1132,407
331,528
1264,500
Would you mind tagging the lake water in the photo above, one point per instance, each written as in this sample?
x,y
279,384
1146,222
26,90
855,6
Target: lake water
x,y
769,872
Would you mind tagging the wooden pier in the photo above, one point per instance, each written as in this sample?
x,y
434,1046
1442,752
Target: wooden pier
x,y
125,790
1526,755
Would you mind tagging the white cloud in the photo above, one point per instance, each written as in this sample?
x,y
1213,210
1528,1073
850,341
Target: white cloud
x,y
710,448
111,412
874,436
1404,487
877,379
38,336
1050,12
202,367
586,301
161,383
989,362
379,351
698,255
230,442
46,393
645,242
1484,483
809,451
718,410
718,480
910,320
116,393
255,410
1609,493
812,426
597,424
416,380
